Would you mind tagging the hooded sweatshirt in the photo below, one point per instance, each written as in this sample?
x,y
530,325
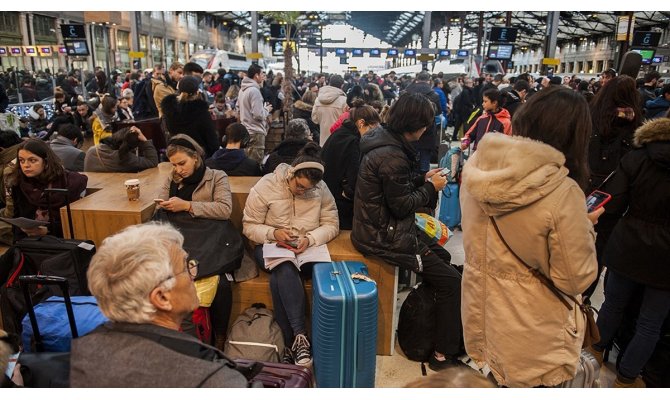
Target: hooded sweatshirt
x,y
234,162
656,108
252,113
511,321
328,106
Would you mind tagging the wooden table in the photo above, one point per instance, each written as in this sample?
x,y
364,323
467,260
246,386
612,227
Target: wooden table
x,y
106,209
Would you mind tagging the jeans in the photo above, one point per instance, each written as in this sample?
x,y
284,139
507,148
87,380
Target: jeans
x,y
424,160
446,280
653,311
288,295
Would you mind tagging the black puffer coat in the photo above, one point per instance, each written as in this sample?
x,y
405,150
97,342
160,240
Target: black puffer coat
x,y
639,246
191,118
341,156
387,196
285,152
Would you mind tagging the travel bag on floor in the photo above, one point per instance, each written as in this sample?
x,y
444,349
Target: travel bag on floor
x,y
344,325
416,323
255,335
588,373
277,375
450,206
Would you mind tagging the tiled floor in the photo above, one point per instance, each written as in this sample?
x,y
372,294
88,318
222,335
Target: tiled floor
x,y
397,371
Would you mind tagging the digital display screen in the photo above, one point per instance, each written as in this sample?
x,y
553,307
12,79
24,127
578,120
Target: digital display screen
x,y
45,50
340,52
392,53
62,49
500,51
463,53
647,54
343,60
646,39
77,48
410,53
3,51
374,52
30,50
505,35
657,60
73,32
16,51
357,53
445,53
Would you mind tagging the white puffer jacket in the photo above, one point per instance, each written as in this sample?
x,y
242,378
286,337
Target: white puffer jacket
x,y
271,205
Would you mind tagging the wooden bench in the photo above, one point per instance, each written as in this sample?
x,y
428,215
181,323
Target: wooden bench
x,y
258,290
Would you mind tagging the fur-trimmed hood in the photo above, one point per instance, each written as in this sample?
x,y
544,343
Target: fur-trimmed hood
x,y
509,172
656,130
301,105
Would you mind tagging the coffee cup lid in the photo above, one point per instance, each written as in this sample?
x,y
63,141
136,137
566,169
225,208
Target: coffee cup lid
x,y
132,182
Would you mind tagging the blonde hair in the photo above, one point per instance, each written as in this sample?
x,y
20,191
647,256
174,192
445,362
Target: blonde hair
x,y
128,266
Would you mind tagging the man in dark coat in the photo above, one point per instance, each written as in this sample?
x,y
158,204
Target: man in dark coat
x,y
4,100
232,159
515,97
464,104
427,144
388,193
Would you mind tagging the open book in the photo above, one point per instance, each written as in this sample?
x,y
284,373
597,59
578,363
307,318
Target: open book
x,y
274,255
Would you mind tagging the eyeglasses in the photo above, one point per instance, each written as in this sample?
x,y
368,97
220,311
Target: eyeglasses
x,y
300,188
191,268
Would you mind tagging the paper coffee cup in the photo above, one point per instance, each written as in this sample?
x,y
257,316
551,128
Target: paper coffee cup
x,y
133,189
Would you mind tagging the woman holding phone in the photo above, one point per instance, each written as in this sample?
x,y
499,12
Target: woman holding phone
x,y
198,192
293,206
523,204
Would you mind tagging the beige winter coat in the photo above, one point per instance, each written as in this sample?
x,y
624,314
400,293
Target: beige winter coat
x,y
212,198
328,107
271,205
511,321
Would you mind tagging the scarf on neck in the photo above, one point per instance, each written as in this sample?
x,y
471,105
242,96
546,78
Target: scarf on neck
x,y
188,184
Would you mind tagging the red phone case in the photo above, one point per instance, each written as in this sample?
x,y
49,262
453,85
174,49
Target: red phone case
x,y
601,204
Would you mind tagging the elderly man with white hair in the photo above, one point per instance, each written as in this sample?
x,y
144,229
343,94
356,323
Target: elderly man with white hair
x,y
143,282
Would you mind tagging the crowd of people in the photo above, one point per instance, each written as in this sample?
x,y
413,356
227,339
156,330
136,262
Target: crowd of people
x,y
356,155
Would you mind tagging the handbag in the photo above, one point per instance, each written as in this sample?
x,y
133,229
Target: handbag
x,y
216,244
592,335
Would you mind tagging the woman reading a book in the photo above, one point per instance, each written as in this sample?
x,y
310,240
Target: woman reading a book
x,y
199,193
294,208
39,168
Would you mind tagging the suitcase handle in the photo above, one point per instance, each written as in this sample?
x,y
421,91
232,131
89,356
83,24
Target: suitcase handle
x,y
25,282
48,191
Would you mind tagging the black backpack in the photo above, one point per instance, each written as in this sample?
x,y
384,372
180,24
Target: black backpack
x,y
605,155
416,323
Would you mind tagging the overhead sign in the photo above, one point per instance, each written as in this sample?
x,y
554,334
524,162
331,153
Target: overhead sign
x,y
425,57
15,51
550,61
254,56
409,53
392,53
500,51
646,39
44,50
657,60
340,52
3,51
278,31
444,53
30,51
375,53
622,27
463,53
503,34
343,60
136,54
357,53
73,32
77,48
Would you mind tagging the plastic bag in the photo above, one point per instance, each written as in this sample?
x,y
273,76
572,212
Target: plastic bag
x,y
206,289
433,228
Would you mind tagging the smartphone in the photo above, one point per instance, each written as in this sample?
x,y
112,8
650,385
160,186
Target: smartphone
x,y
288,245
11,364
158,201
445,171
596,200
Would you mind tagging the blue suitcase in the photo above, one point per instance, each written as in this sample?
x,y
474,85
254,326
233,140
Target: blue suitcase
x,y
344,325
450,206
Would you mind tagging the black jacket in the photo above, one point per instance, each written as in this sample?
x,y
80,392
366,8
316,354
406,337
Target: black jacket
x,y
285,152
304,111
387,196
4,100
428,140
341,155
191,118
234,162
465,103
639,246
512,102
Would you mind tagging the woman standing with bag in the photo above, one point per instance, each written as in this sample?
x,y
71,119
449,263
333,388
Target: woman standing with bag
x,y
523,203
292,203
198,201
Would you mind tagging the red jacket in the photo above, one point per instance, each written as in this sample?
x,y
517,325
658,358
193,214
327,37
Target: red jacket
x,y
498,122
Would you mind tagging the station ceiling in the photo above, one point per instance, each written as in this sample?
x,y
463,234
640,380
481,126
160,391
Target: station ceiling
x,y
400,28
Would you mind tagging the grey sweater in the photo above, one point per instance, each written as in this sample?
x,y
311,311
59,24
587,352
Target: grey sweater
x,y
103,158
111,357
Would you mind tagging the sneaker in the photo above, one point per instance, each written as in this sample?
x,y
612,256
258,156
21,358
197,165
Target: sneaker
x,y
302,351
621,382
438,365
287,357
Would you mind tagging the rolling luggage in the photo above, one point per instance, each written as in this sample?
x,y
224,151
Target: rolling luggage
x,y
588,373
45,255
344,325
276,375
46,370
450,206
